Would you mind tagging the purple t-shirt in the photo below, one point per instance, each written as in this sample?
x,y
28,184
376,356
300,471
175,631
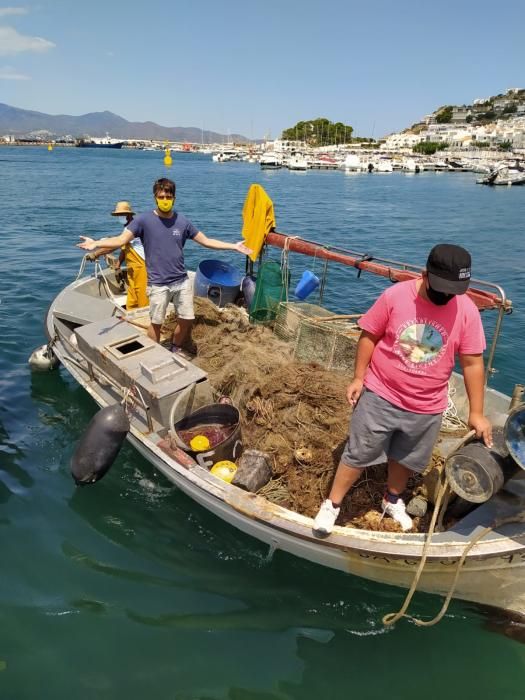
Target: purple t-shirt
x,y
163,241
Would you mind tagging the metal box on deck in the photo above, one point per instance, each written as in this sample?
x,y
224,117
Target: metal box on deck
x,y
129,357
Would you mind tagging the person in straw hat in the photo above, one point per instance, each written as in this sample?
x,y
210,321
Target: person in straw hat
x,y
133,254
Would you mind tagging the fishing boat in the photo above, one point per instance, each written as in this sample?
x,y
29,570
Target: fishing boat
x,y
479,557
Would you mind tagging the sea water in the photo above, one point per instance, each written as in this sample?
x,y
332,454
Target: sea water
x,y
128,589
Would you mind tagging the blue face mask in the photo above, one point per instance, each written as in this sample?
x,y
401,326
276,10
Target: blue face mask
x,y
438,298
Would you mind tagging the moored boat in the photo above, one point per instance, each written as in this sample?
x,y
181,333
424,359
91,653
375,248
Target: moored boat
x,y
225,156
505,174
107,351
270,161
105,142
352,162
297,162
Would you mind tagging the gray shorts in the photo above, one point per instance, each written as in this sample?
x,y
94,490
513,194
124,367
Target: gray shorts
x,y
380,431
180,295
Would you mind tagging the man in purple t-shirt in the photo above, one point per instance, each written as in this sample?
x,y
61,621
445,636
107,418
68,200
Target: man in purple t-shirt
x,y
405,355
163,233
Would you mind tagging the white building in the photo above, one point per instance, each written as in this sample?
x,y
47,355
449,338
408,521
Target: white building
x,y
398,142
284,146
465,135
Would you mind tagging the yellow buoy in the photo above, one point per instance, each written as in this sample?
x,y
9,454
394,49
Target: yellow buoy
x,y
199,443
224,470
168,160
49,147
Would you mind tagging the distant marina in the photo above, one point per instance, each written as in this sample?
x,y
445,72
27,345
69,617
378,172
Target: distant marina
x,y
496,167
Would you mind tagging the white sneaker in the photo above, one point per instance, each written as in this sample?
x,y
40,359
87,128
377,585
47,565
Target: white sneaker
x,y
397,511
325,519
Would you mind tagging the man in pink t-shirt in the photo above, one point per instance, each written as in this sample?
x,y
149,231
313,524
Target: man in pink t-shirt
x,y
405,355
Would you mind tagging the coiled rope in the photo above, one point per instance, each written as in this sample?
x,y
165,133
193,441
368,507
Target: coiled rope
x,y
451,420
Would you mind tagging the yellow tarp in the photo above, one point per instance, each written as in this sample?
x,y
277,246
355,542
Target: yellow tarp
x,y
258,219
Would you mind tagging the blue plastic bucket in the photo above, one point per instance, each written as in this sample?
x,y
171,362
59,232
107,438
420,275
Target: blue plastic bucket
x,y
306,285
218,281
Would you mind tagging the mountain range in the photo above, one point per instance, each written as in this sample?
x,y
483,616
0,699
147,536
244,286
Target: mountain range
x,y
23,122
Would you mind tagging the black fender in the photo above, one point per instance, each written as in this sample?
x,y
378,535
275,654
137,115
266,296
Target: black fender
x,y
100,444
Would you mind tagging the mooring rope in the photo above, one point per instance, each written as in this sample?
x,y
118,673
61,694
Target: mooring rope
x,y
391,618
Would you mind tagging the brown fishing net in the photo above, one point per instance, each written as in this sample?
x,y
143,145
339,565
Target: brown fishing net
x,y
296,412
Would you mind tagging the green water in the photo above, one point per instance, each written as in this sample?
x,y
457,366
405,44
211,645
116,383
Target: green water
x,y
130,590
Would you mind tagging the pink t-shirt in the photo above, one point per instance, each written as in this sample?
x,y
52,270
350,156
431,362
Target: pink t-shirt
x,y
414,358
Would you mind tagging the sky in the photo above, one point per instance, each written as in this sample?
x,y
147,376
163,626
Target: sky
x,y
256,68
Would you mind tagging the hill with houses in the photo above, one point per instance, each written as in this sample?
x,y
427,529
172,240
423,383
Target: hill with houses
x,y
489,122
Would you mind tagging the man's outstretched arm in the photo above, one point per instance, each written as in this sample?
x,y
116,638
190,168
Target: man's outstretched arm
x,y
213,243
114,242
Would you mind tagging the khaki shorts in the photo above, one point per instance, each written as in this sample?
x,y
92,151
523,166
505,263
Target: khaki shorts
x,y
160,297
380,431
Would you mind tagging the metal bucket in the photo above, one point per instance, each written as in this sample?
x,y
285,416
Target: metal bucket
x,y
476,473
220,423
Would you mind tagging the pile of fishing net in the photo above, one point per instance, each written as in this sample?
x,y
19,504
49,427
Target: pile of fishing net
x,y
295,412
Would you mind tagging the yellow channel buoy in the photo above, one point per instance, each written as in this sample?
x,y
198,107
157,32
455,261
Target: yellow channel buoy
x,y
49,147
168,160
199,443
225,470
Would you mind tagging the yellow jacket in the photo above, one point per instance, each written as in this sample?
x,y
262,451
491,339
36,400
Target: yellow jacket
x,y
258,219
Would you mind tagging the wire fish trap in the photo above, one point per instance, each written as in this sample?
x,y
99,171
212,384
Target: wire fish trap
x,y
319,335
291,314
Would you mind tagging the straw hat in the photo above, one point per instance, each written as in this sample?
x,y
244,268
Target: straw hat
x,y
122,208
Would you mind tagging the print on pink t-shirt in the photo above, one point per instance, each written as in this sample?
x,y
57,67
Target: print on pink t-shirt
x,y
419,341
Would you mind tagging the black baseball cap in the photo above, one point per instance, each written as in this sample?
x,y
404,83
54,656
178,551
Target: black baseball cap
x,y
448,268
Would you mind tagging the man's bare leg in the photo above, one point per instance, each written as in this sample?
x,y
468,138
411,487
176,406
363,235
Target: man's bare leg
x,y
398,477
154,331
345,478
182,331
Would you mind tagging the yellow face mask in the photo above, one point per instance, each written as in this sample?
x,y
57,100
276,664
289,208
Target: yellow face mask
x,y
164,205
